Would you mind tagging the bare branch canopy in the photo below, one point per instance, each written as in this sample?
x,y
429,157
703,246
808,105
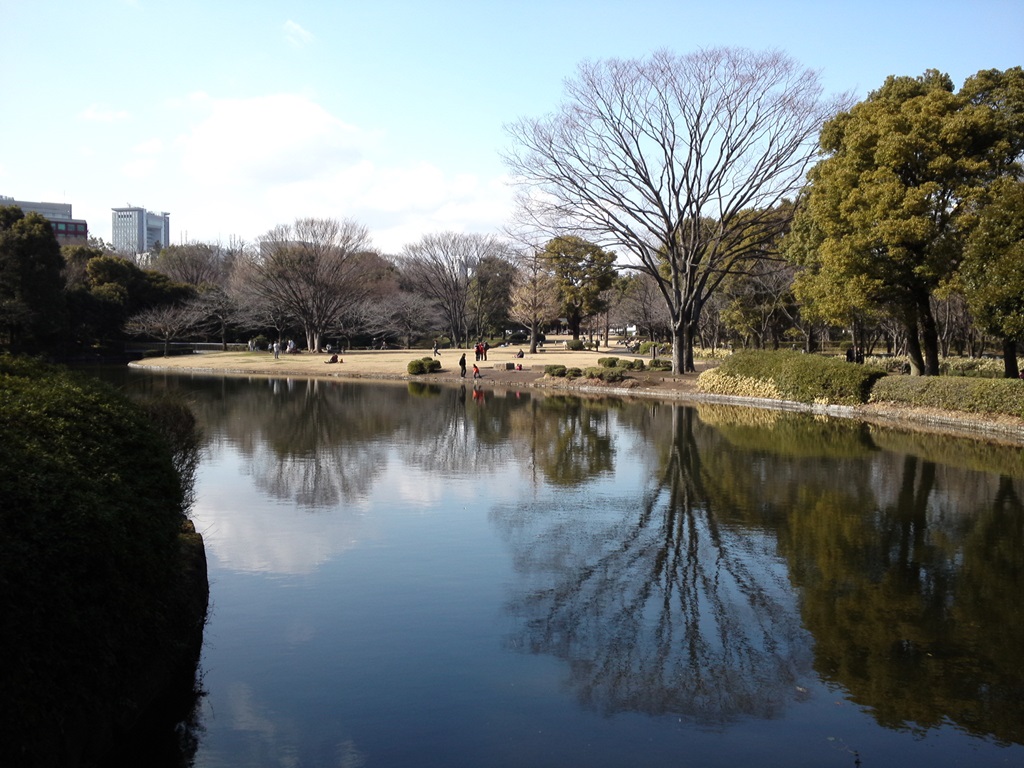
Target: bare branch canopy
x,y
678,161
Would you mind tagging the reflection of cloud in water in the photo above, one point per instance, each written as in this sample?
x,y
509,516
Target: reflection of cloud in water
x,y
272,740
246,531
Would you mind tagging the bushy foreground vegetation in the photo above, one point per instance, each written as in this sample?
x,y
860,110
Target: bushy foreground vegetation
x,y
828,380
971,395
791,376
91,558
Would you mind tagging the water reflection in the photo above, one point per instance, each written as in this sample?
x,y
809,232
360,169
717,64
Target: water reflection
x,y
666,608
715,563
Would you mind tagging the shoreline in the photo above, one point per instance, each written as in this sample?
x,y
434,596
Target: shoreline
x,y
391,365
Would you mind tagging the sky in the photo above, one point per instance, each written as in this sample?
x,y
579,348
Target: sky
x,y
235,117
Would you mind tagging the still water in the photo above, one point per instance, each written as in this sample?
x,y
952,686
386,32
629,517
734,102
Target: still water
x,y
408,575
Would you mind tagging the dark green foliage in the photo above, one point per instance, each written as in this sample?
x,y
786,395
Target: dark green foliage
x,y
607,374
575,345
423,365
573,373
608,362
660,364
989,396
554,370
89,555
32,305
635,365
806,378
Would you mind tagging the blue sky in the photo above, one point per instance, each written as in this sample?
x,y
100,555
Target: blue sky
x,y
239,116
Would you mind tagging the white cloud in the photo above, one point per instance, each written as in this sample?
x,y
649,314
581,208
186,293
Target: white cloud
x,y
95,113
249,164
152,146
296,36
267,139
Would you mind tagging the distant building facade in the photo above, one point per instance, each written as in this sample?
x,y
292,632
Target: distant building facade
x,y
135,230
68,229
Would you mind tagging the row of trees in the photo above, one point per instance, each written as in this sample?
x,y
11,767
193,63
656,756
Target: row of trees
x,y
695,167
708,196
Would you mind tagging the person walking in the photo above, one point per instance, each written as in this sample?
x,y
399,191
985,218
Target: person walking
x,y
277,349
436,353
462,365
476,371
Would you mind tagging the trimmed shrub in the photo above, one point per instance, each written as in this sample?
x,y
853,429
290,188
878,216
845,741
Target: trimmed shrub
x,y
799,377
608,362
575,345
660,364
573,373
605,374
972,395
423,365
555,370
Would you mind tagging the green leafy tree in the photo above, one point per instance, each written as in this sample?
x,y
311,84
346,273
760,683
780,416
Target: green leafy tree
x,y
883,210
582,271
992,275
32,307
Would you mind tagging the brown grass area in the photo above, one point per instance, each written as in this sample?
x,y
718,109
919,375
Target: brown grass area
x,y
393,364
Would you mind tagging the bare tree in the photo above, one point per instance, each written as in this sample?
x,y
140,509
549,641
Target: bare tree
x,y
194,263
678,160
165,323
401,315
441,267
643,305
311,270
535,298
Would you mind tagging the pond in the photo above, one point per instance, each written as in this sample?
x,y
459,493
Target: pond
x,y
411,575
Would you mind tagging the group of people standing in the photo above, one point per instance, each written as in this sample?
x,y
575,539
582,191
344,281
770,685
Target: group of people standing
x,y
481,350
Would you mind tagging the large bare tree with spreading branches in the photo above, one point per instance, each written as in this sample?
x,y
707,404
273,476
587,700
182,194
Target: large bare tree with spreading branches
x,y
681,162
441,267
312,270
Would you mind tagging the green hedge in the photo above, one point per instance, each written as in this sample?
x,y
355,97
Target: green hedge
x,y
605,374
958,393
798,377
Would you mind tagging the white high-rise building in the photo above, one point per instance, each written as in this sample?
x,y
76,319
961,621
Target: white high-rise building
x,y
135,230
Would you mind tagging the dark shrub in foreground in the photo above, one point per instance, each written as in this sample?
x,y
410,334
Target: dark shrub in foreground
x,y
90,558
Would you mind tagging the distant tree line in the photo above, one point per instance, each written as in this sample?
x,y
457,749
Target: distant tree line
x,y
703,200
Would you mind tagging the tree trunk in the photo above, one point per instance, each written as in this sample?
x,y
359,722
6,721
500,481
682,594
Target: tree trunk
x,y
929,337
914,348
1010,368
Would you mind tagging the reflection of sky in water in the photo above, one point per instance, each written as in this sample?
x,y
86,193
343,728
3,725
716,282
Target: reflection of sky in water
x,y
245,530
478,615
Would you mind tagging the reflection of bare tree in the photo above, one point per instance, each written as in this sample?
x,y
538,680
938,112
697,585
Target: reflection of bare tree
x,y
663,609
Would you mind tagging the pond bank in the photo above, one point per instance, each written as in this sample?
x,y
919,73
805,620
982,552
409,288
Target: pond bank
x,y
391,365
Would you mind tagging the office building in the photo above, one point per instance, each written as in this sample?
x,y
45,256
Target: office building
x,y
68,229
135,230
